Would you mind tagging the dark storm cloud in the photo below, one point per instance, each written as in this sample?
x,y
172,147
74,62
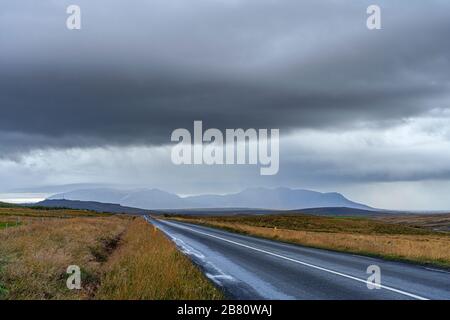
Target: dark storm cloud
x,y
138,70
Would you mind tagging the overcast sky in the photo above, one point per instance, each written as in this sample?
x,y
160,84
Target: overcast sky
x,y
362,112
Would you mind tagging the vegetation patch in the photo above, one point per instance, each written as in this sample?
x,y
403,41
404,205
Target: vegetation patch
x,y
39,253
105,246
119,256
148,266
9,224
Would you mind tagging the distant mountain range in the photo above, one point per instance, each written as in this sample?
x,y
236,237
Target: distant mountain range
x,y
262,198
116,208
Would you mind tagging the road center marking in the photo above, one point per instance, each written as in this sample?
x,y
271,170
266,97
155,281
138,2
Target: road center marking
x,y
295,260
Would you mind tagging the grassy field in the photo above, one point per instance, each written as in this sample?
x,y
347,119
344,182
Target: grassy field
x,y
356,235
30,212
34,257
436,222
148,266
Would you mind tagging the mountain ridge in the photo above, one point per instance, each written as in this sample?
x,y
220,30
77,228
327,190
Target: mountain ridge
x,y
281,198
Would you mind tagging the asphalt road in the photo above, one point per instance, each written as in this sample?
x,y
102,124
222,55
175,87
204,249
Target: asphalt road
x,y
253,268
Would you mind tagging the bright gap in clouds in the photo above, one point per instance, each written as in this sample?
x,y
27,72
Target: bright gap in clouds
x,y
18,198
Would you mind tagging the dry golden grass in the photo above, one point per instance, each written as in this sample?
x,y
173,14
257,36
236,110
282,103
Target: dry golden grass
x,y
353,225
437,222
34,257
120,258
362,237
13,221
148,266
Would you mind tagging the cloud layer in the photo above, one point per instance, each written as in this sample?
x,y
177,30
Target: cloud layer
x,y
137,71
353,106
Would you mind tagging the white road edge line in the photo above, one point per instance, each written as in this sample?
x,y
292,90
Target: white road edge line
x,y
297,261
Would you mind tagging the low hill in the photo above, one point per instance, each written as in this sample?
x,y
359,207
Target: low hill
x,y
8,205
90,205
